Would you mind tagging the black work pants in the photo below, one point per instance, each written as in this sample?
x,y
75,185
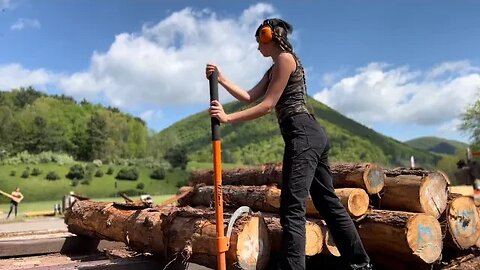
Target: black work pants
x,y
12,206
306,170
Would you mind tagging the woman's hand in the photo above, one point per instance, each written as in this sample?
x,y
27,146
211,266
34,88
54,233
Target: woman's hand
x,y
216,110
210,69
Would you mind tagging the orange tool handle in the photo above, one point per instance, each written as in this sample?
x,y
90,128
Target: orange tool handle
x,y
222,241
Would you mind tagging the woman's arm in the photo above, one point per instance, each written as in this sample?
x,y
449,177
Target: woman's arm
x,y
280,74
236,91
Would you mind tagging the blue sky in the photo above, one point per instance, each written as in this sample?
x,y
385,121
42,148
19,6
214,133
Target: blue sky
x,y
404,68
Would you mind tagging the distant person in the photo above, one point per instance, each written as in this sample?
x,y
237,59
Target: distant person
x,y
14,204
305,162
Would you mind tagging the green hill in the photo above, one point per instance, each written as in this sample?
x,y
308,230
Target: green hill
x,y
259,141
438,145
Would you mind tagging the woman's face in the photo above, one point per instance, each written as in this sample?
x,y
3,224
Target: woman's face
x,y
264,48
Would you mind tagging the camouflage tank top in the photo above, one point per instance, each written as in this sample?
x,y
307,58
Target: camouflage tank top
x,y
293,99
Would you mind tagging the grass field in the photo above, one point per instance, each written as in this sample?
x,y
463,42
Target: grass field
x,y
31,207
37,188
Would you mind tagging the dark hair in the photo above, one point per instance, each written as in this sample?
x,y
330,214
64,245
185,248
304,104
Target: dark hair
x,y
281,30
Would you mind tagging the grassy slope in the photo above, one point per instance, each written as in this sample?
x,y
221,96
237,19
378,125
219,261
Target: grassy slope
x,y
36,188
437,145
259,141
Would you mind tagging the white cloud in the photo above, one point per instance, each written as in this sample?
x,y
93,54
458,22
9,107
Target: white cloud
x,y
22,24
381,93
165,62
151,115
5,4
15,76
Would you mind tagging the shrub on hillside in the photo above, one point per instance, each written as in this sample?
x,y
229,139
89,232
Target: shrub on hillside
x,y
85,182
182,183
129,173
52,176
25,173
36,172
44,157
13,173
76,172
128,192
140,186
177,157
99,173
74,183
158,173
110,171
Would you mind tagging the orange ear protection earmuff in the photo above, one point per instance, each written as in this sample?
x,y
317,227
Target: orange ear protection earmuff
x,y
266,34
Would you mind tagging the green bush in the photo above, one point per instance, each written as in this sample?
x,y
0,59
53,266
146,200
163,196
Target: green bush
x,y
76,172
129,173
26,173
36,172
74,183
52,176
128,192
182,182
110,171
13,173
85,182
140,186
98,173
158,173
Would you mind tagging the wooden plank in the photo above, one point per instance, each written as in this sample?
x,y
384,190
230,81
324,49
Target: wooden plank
x,y
67,244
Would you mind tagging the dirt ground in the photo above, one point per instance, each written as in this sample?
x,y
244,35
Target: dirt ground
x,y
119,258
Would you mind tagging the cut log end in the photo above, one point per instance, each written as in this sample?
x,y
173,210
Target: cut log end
x,y
433,194
424,236
253,251
374,178
330,247
463,222
358,201
314,236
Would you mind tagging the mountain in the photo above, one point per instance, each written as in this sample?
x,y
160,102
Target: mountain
x,y
259,141
438,145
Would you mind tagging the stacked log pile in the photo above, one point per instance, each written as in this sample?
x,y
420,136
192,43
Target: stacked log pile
x,y
406,218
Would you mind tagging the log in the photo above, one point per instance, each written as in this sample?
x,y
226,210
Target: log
x,y
365,175
412,193
267,174
461,223
267,198
329,247
415,237
184,233
314,236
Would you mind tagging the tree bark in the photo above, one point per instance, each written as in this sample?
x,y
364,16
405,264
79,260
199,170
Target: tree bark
x,y
183,232
412,193
415,237
461,222
367,176
314,236
267,198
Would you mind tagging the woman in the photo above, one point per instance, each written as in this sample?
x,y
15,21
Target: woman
x,y
305,160
14,203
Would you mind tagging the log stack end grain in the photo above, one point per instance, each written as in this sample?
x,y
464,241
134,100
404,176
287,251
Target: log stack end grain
x,y
314,236
415,191
367,176
416,237
434,194
462,223
374,178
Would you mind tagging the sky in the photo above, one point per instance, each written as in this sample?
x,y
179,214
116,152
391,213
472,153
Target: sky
x,y
405,68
